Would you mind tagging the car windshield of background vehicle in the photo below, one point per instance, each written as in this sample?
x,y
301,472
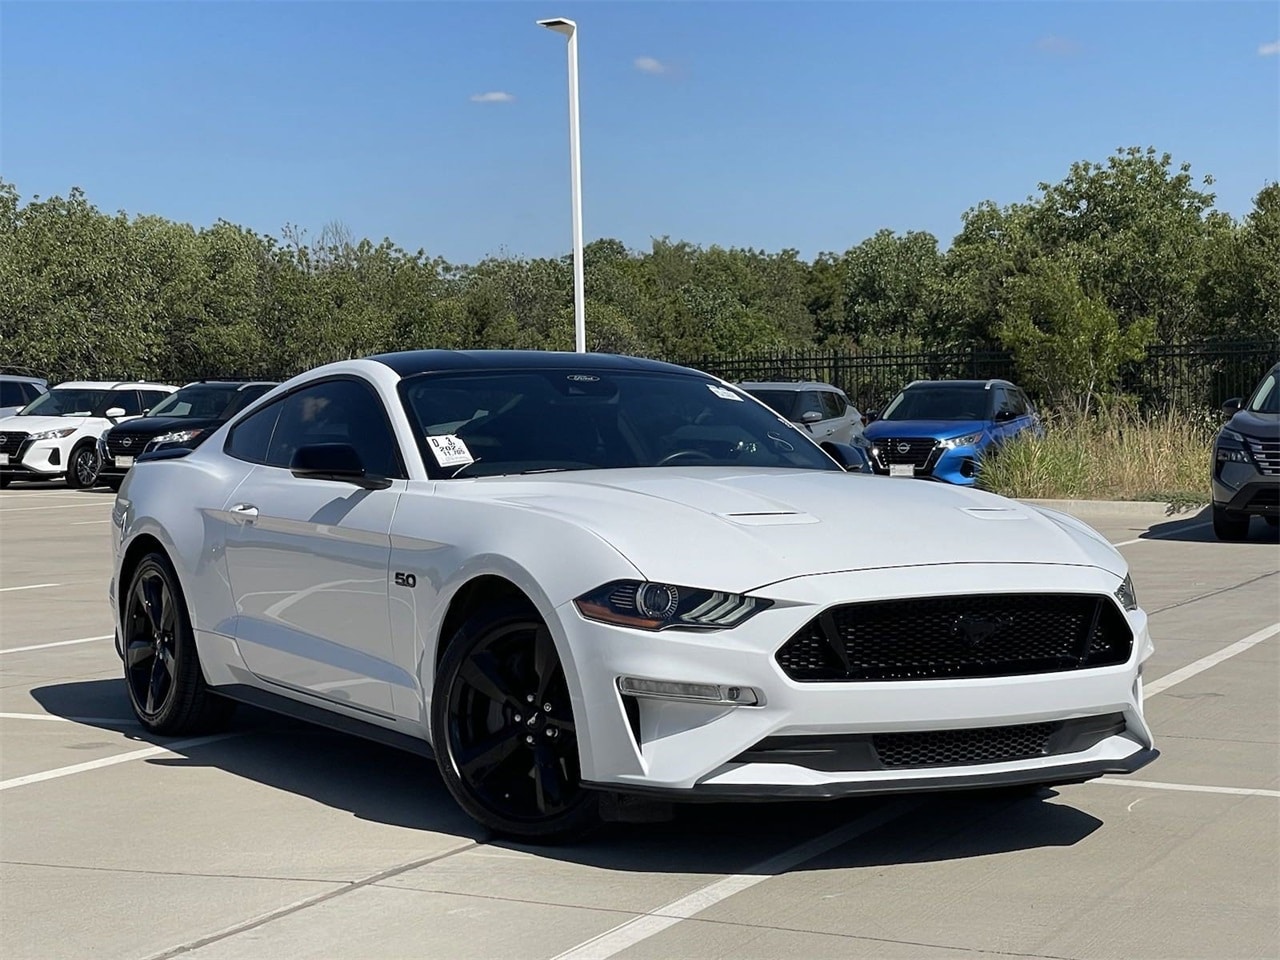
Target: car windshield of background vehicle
x,y
65,403
205,401
783,401
1266,399
939,403
550,420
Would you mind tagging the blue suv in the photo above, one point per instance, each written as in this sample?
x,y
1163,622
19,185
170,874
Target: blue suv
x,y
943,428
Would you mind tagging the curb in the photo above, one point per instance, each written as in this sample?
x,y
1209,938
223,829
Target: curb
x,y
1117,508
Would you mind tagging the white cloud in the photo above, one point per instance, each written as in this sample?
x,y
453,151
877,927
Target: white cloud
x,y
1269,49
650,65
493,96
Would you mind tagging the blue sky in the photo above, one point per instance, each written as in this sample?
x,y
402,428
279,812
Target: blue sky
x,y
766,124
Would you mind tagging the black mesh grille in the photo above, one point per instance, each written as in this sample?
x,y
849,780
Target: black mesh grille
x,y
916,453
126,446
1266,497
11,441
928,638
952,747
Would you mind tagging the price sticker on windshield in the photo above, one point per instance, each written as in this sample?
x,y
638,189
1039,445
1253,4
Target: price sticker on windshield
x,y
450,451
723,393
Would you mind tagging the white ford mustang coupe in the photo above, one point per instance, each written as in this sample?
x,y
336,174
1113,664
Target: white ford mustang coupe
x,y
578,580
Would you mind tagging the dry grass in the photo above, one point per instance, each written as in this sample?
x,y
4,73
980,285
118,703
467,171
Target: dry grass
x,y
1110,456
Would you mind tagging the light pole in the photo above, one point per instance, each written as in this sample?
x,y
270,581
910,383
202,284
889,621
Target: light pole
x,y
570,29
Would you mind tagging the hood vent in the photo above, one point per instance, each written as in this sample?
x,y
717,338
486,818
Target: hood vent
x,y
769,518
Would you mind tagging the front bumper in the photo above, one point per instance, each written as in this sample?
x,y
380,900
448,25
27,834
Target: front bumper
x,y
633,745
957,465
35,459
1243,488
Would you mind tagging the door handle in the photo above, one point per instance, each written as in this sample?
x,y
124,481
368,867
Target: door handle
x,y
245,511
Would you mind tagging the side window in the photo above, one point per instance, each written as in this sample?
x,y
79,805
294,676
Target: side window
x,y
250,437
127,400
810,400
832,405
151,397
337,411
10,393
32,391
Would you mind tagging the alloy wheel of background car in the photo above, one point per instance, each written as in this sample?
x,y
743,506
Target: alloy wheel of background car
x,y
83,469
1229,526
161,668
504,729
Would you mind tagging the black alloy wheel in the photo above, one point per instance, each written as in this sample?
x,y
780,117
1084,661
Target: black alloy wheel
x,y
504,732
83,469
161,667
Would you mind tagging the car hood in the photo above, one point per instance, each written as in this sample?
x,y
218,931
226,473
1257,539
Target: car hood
x,y
40,424
743,529
154,426
1264,426
938,429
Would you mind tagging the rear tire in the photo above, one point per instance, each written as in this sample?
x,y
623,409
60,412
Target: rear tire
x,y
503,729
83,466
1228,525
1273,521
5,481
161,666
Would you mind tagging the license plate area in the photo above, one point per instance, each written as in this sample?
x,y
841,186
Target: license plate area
x,y
901,470
125,462
4,459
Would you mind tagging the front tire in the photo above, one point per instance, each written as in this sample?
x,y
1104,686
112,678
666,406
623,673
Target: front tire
x,y
161,666
1228,525
83,467
504,732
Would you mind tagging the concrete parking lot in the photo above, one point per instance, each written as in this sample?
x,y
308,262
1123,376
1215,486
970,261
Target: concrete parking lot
x,y
282,840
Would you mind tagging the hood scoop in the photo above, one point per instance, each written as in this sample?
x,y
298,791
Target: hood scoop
x,y
769,518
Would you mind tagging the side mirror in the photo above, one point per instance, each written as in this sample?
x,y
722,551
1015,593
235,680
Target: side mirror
x,y
810,416
1232,406
115,413
333,461
853,459
871,416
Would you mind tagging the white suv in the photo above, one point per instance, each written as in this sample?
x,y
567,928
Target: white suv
x,y
57,434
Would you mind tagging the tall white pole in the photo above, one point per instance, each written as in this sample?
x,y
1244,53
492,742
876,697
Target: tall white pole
x,y
575,174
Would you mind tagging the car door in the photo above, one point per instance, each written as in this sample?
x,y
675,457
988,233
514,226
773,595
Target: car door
x,y
839,420
308,558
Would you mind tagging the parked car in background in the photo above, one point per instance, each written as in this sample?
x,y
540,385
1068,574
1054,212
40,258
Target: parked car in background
x,y
1246,461
182,419
57,434
824,411
17,391
943,428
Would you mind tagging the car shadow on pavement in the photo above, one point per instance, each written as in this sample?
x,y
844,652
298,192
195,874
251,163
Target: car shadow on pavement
x,y
380,784
1198,528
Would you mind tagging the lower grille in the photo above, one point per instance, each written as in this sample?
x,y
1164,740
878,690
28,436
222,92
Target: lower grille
x,y
12,441
125,446
913,450
1266,497
1267,455
930,638
935,748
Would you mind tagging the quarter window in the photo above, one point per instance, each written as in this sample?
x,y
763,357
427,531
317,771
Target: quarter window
x,y
250,437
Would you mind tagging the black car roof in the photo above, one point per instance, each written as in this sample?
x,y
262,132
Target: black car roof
x,y
409,363
938,384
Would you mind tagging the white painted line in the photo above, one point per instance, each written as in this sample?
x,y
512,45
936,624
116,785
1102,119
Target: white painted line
x,y
65,506
59,772
626,935
1188,787
60,643
1162,536
29,586
1149,690
81,523
96,721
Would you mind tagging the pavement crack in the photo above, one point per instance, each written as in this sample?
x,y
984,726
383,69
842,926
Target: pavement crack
x,y
194,874
1214,593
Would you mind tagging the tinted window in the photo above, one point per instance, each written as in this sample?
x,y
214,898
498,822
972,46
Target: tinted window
x,y
11,394
250,438
31,391
71,402
1266,399
126,400
151,398
832,405
245,396
336,411
542,420
198,400
940,403
783,401
810,402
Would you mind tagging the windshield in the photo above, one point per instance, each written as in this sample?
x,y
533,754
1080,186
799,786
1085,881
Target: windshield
x,y
783,401
1266,399
939,403
71,402
206,401
543,420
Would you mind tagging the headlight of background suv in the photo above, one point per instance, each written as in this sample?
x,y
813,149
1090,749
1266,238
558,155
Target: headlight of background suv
x,y
967,440
53,434
1230,447
178,436
1125,593
657,606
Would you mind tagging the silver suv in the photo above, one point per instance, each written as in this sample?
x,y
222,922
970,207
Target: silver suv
x,y
820,408
17,391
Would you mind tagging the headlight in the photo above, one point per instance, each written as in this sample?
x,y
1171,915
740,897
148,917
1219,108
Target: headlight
x,y
1126,595
178,436
53,434
657,606
968,440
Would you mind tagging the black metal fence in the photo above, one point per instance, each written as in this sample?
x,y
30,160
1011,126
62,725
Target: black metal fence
x,y
1186,376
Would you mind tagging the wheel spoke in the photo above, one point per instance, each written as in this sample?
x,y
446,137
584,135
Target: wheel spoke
x,y
484,674
137,652
154,692
166,657
151,602
166,610
547,779
479,762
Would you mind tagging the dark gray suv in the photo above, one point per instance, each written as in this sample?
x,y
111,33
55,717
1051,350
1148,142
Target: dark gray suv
x,y
1246,461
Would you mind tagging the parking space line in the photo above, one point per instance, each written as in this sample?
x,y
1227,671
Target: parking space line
x,y
81,523
29,586
61,506
1163,536
1188,787
59,772
95,721
1149,690
646,925
60,643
